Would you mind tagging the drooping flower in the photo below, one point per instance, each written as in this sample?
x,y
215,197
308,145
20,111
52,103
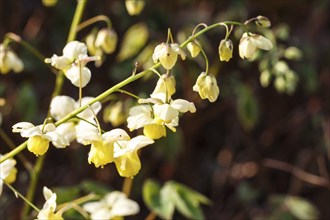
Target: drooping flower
x,y
125,154
250,42
207,87
7,172
73,63
134,7
165,84
106,39
262,21
40,136
9,60
102,146
167,54
113,205
163,112
225,50
48,210
194,48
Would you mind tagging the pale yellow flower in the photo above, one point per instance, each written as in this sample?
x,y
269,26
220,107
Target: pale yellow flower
x,y
167,54
250,42
225,50
207,87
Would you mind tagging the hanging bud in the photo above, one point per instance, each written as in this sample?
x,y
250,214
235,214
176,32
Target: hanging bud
x,y
134,7
49,3
226,50
107,39
207,87
9,60
194,48
262,21
166,85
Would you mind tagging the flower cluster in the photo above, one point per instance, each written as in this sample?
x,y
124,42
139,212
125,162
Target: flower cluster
x,y
73,63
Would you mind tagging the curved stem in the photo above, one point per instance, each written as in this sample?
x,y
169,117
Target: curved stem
x,y
206,62
29,47
94,20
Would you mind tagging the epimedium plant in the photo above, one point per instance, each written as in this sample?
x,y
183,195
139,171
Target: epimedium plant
x,y
72,120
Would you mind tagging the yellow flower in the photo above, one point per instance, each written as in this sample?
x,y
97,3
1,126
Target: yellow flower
x,y
134,7
102,146
167,54
155,130
125,155
165,84
250,42
194,48
226,50
40,136
207,87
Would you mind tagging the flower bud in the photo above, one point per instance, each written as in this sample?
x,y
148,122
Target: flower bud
x,y
194,48
262,21
226,50
167,54
106,39
134,7
49,3
250,42
207,87
12,176
9,61
166,85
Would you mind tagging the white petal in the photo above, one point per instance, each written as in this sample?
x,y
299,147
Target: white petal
x,y
58,140
67,130
73,49
31,132
139,117
6,167
91,207
138,142
61,106
116,135
183,105
18,127
73,74
124,207
262,42
165,112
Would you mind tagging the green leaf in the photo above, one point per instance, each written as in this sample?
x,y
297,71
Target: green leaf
x,y
158,200
301,208
134,39
65,194
27,102
188,201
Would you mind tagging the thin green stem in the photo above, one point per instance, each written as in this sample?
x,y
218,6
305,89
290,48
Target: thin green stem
x,y
128,93
29,47
22,197
10,143
206,61
34,175
76,20
94,20
14,152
